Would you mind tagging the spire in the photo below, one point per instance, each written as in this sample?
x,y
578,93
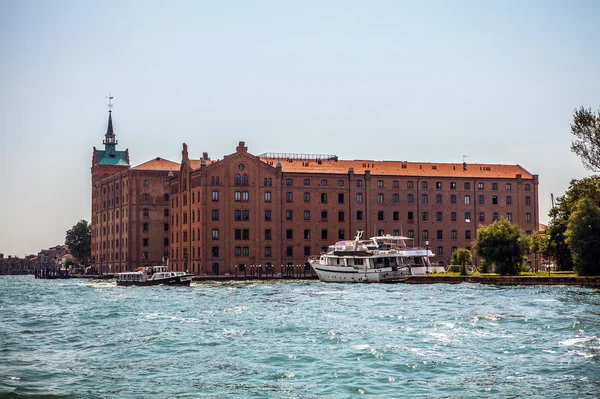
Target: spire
x,y
110,133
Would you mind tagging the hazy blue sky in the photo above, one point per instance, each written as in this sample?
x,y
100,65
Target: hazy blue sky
x,y
386,80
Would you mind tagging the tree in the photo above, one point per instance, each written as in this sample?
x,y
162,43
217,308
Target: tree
x,y
586,129
557,247
79,241
503,244
583,237
536,245
463,258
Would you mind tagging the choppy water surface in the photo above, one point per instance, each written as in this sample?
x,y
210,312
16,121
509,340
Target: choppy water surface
x,y
87,339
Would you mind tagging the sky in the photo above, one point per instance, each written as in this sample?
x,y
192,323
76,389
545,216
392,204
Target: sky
x,y
383,80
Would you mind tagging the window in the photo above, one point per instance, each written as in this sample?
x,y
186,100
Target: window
x,y
289,197
144,242
380,198
424,184
438,185
494,216
238,180
215,195
270,181
245,215
324,234
396,216
379,183
438,199
215,234
425,234
424,198
440,251
245,251
323,183
306,197
494,200
323,198
467,234
245,196
409,184
467,199
307,182
509,216
410,216
453,234
453,217
528,217
237,214
424,216
508,200
306,251
165,197
440,235
340,183
323,216
146,183
527,187
341,216
288,182
341,234
146,228
340,198
495,186
395,198
267,196
467,186
396,184
359,215
438,216
452,185
453,199
268,215
411,234
453,249
307,234
480,186
237,196
306,215
410,199
359,198
481,217
145,197
215,214
267,251
289,250
289,215
508,187
359,183
268,234
237,234
380,215
289,234
238,252
527,200
146,212
468,217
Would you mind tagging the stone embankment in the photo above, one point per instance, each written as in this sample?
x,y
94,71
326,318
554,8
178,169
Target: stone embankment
x,y
508,280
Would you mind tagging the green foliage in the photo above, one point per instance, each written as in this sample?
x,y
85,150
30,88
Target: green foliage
x,y
503,244
586,129
583,237
70,262
79,241
557,247
463,258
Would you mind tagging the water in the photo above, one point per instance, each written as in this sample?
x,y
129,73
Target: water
x,y
90,339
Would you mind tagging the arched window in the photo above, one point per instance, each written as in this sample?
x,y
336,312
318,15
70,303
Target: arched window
x,y
467,199
265,181
270,182
238,179
212,180
218,181
245,180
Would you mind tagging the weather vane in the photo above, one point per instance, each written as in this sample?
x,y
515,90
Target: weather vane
x,y
110,105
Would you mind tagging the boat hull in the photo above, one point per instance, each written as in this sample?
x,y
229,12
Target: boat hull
x,y
337,274
176,281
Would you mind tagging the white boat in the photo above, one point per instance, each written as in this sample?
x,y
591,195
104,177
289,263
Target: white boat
x,y
381,259
156,275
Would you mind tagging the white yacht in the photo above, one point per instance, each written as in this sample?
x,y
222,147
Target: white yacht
x,y
381,259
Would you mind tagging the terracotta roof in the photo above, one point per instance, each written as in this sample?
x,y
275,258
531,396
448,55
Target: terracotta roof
x,y
158,163
399,168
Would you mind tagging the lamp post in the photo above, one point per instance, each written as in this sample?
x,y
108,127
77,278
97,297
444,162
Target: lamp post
x,y
427,257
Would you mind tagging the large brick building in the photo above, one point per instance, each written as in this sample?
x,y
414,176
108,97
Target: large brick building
x,y
209,217
277,209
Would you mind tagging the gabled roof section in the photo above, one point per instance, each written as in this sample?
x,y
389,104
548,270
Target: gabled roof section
x,y
112,157
159,164
399,168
